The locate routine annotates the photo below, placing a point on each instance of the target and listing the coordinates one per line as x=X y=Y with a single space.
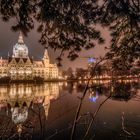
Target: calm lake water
x=47 y=111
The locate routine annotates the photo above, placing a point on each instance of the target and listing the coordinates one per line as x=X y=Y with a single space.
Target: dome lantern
x=20 y=39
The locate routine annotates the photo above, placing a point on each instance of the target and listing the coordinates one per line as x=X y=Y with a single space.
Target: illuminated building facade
x=21 y=67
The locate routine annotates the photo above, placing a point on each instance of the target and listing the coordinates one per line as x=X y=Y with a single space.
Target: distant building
x=21 y=67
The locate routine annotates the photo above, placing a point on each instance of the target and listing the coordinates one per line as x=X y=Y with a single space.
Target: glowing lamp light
x=91 y=60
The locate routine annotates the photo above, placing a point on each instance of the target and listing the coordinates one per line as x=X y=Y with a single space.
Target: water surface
x=47 y=111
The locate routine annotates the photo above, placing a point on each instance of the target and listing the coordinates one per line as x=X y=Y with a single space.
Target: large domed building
x=21 y=67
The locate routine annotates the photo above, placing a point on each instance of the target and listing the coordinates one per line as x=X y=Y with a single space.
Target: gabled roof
x=18 y=59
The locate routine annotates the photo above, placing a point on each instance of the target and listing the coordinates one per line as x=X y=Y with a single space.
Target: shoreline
x=7 y=81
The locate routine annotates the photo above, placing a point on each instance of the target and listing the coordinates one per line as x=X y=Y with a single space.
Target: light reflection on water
x=54 y=104
x=21 y=95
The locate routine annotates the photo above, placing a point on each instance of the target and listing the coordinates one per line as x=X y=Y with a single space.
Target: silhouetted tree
x=123 y=18
x=70 y=25
x=69 y=73
x=81 y=73
x=64 y=24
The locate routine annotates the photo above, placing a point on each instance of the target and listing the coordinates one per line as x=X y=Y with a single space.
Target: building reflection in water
x=16 y=100
x=20 y=102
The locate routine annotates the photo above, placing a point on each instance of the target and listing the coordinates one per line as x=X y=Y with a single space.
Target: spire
x=20 y=38
x=8 y=55
x=46 y=56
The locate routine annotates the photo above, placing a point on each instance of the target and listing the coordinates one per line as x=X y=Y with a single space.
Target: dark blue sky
x=9 y=38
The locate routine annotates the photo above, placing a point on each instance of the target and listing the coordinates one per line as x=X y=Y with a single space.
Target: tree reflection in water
x=124 y=91
x=119 y=91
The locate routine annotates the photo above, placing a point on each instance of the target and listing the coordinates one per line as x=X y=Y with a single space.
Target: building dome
x=20 y=50
x=19 y=115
